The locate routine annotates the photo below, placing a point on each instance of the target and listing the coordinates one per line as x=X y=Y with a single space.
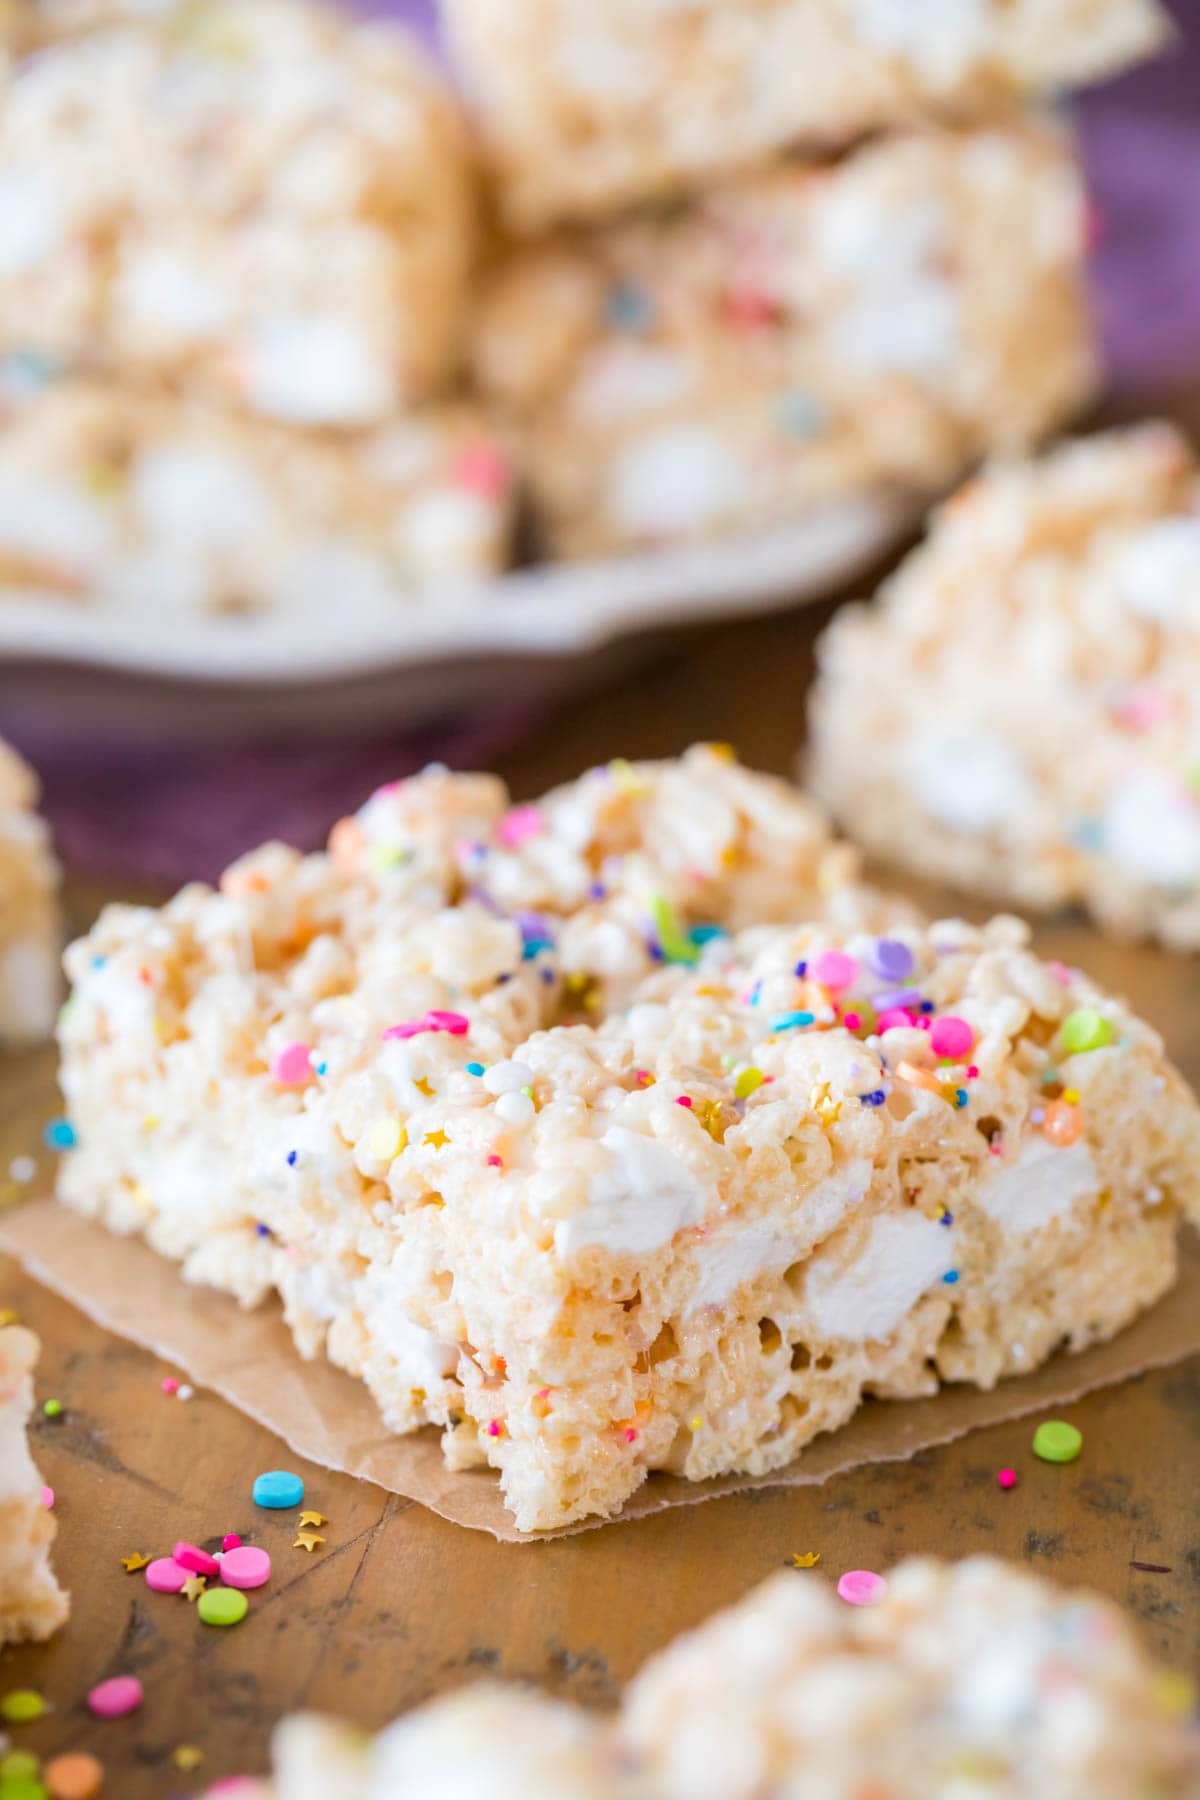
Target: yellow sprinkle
x=313 y=1518
x=151 y=1122
x=747 y=1081
x=187 y=1756
x=711 y=1115
x=386 y=1139
x=726 y=752
x=696 y=1423
x=807 y=1559
x=307 y=1540
x=821 y=1099
x=131 y=1564
x=1071 y=1096
x=8 y=1315
x=423 y=1086
x=437 y=1138
x=194 y=1586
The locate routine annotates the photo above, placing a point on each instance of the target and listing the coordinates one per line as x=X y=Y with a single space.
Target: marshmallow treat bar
x=155 y=506
x=32 y=1604
x=29 y=918
x=1019 y=710
x=317 y=272
x=540 y=1133
x=584 y=109
x=796 y=339
x=974 y=1678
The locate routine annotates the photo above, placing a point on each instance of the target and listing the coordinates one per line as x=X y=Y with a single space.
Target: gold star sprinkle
x=136 y=1561
x=422 y=1084
x=807 y=1559
x=313 y=1518
x=7 y=1315
x=827 y=1109
x=307 y=1540
x=187 y=1756
x=437 y=1138
x=194 y=1586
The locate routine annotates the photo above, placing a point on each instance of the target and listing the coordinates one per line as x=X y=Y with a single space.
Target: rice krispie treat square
x=32 y=1605
x=802 y=337
x=976 y=1678
x=30 y=927
x=259 y=198
x=154 y=506
x=1018 y=712
x=585 y=108
x=540 y=1132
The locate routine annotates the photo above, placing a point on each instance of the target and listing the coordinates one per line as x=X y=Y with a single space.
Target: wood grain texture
x=398 y=1604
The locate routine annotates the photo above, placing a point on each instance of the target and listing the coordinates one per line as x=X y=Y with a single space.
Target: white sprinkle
x=22 y=1168
x=185 y=1392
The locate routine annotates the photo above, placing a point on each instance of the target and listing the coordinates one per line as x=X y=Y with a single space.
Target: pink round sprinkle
x=166 y=1576
x=518 y=824
x=495 y=1162
x=833 y=969
x=861 y=1587
x=950 y=1036
x=894 y=1018
x=245 y=1567
x=47 y=1497
x=1007 y=1478
x=170 y=1384
x=481 y=470
x=852 y=1020
x=231 y=1541
x=683 y=1100
x=291 y=1066
x=115 y=1698
x=190 y=1556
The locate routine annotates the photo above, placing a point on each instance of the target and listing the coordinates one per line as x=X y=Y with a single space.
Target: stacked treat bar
x=32 y=1604
x=30 y=937
x=971 y=1680
x=624 y=1131
x=235 y=245
x=250 y=358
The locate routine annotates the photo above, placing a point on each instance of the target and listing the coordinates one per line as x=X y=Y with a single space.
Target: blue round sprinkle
x=278 y=1488
x=60 y=1135
x=704 y=934
x=950 y=1277
x=474 y=1068
x=291 y=1159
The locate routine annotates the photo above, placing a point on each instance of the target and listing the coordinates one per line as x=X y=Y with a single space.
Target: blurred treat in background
x=804 y=334
x=587 y=108
x=1034 y=732
x=30 y=930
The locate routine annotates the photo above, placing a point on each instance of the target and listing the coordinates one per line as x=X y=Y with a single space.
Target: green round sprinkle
x=1085 y=1029
x=52 y=1408
x=1056 y=1441
x=222 y=1606
x=21 y=1787
x=18 y=1764
x=21 y=1706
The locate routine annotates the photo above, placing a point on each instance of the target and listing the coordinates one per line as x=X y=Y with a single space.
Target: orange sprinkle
x=74 y=1777
x=1062 y=1124
x=922 y=1078
x=347 y=841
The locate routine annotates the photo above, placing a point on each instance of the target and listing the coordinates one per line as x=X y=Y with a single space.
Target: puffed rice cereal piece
x=1018 y=712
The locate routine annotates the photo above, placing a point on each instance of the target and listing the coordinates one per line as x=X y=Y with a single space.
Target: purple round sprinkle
x=891 y=959
x=908 y=996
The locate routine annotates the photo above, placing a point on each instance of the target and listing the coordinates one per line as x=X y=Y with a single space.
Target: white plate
x=431 y=655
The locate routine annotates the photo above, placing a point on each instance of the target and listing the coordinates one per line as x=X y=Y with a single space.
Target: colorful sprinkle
x=950 y=1277
x=456 y=1024
x=746 y=1082
x=895 y=1018
x=170 y=1384
x=675 y=943
x=386 y=1139
x=21 y=1706
x=1057 y=1442
x=245 y=1566
x=191 y=1557
x=115 y=1698
x=861 y=1587
x=520 y=824
x=1085 y=1029
x=1007 y=1478
x=792 y=1021
x=222 y=1606
x=231 y=1541
x=60 y=1135
x=165 y=1576
x=53 y=1409
x=476 y=1068
x=805 y=1559
x=277 y=1489
x=951 y=1037
x=1062 y=1123
x=834 y=969
x=890 y=959
x=76 y=1776
x=47 y=1497
x=306 y=1540
x=291 y=1066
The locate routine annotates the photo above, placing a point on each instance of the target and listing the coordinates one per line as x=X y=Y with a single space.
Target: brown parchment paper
x=329 y=1418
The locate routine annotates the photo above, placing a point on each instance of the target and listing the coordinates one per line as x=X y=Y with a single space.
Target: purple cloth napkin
x=184 y=811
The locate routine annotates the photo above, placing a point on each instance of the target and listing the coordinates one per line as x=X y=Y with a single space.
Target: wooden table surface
x=399 y=1604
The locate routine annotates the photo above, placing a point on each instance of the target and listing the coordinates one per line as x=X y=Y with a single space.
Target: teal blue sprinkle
x=950 y=1277
x=535 y=946
x=704 y=934
x=960 y=1096
x=474 y=1068
x=792 y=1021
x=60 y=1135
